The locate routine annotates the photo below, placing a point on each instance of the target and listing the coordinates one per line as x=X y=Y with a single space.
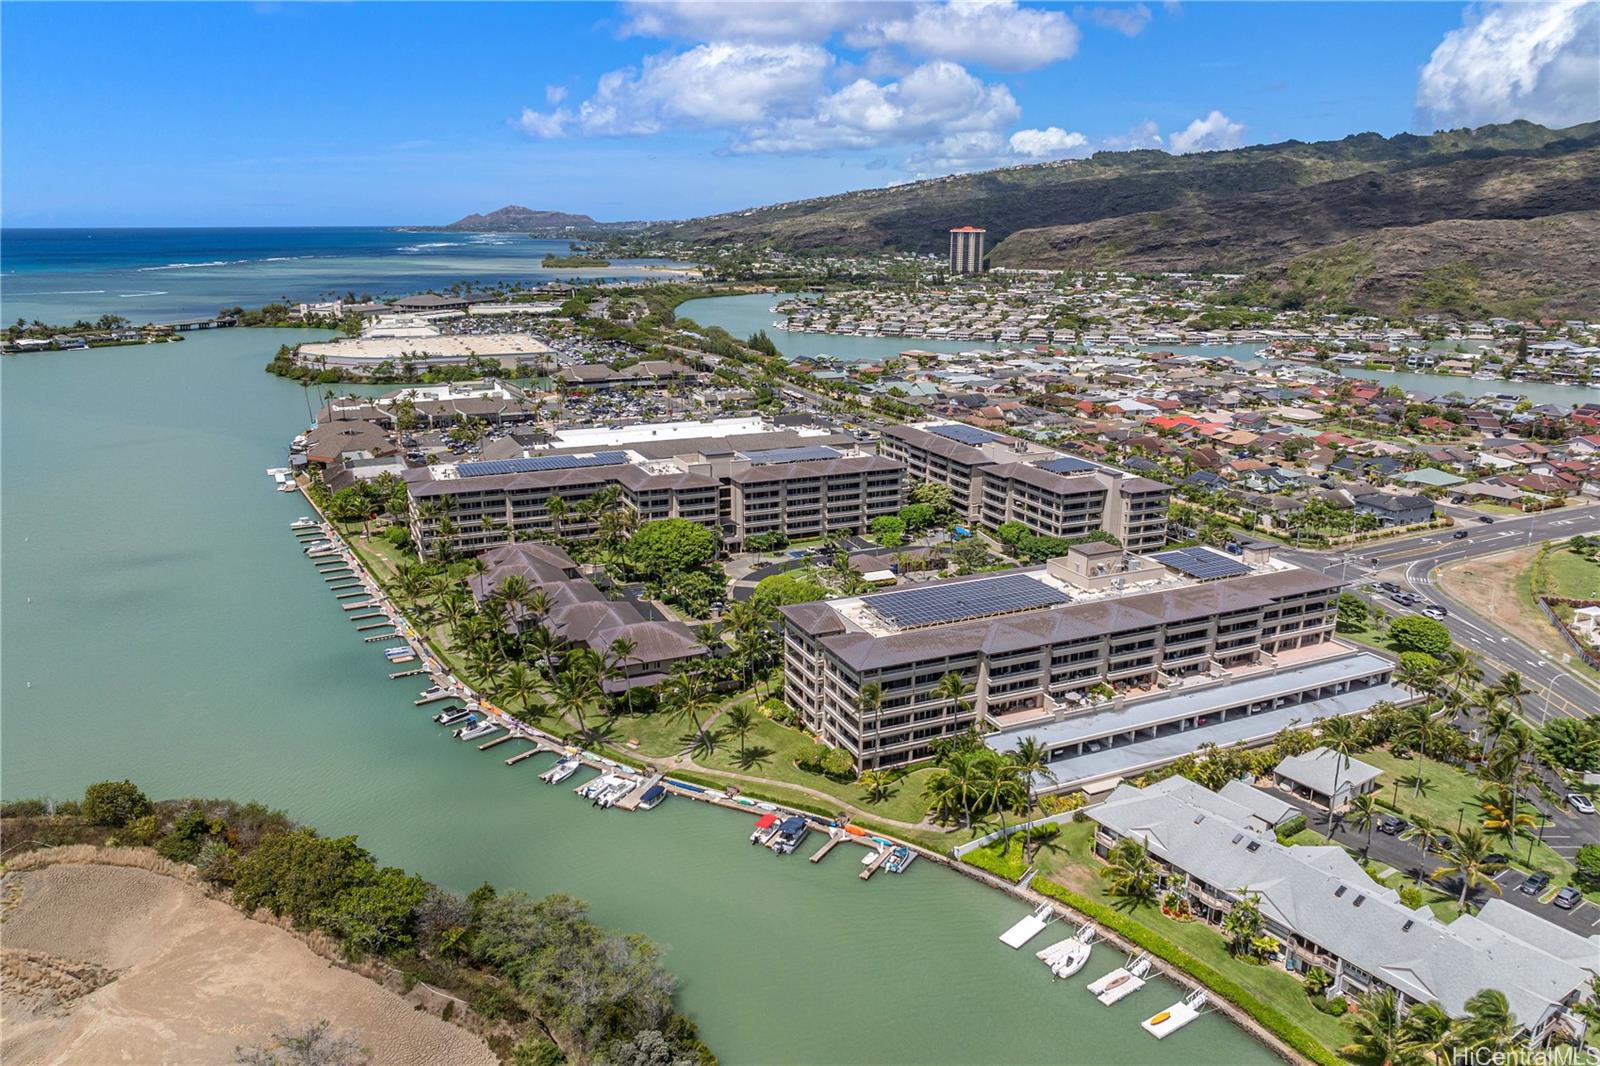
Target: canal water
x=743 y=315
x=162 y=625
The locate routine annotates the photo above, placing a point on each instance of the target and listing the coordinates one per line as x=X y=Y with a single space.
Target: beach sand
x=107 y=964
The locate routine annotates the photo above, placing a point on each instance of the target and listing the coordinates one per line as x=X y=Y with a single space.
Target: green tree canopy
x=1414 y=633
x=671 y=546
x=792 y=586
x=115 y=803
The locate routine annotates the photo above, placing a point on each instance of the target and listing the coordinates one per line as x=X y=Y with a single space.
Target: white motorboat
x=473 y=732
x=611 y=795
x=1176 y=1016
x=303 y=522
x=900 y=858
x=454 y=715
x=1068 y=956
x=560 y=771
x=766 y=828
x=590 y=789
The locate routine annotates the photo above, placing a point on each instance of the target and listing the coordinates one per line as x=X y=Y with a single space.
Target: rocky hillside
x=1263 y=208
x=515 y=219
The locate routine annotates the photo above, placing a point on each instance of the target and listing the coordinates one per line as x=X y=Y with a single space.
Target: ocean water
x=161 y=624
x=159 y=275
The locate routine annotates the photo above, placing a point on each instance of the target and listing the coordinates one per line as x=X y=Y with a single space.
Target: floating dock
x=1028 y=928
x=1176 y=1016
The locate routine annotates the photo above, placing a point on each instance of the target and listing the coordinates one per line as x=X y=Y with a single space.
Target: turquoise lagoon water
x=161 y=624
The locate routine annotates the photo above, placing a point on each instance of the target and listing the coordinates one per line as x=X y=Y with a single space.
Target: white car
x=1435 y=613
x=1580 y=803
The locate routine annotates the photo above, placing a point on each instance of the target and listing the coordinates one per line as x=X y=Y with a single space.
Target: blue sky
x=327 y=114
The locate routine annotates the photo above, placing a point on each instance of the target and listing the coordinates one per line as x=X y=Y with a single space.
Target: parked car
x=1535 y=884
x=1486 y=520
x=1388 y=586
x=1392 y=826
x=1580 y=803
x=1568 y=898
x=1497 y=858
x=1460 y=534
x=1436 y=613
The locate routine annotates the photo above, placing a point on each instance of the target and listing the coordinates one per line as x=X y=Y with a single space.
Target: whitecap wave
x=192 y=266
x=63 y=292
x=126 y=295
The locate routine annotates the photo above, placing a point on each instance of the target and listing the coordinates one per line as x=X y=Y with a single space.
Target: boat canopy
x=766 y=820
x=791 y=826
x=651 y=793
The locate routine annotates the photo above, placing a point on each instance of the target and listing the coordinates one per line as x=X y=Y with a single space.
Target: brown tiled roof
x=849 y=464
x=932 y=442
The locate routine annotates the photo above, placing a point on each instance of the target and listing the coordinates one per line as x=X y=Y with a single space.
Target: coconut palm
x=1342 y=737
x=740 y=721
x=876 y=784
x=545 y=646
x=1511 y=689
x=1468 y=857
x=1363 y=815
x=1032 y=761
x=1500 y=815
x=1377 y=1031
x=1413 y=728
x=1498 y=719
x=688 y=696
x=1424 y=831
x=954 y=788
x=1132 y=875
x=576 y=686
x=556 y=508
x=519 y=684
x=953 y=687
x=1489 y=1022
x=1000 y=786
x=1430 y=1032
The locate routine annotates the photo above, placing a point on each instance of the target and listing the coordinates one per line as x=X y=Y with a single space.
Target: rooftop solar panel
x=933 y=605
x=539 y=463
x=791 y=455
x=1202 y=564
x=965 y=434
x=1067 y=465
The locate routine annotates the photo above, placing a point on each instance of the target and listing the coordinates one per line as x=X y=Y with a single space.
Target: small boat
x=316 y=546
x=399 y=652
x=288 y=486
x=452 y=715
x=480 y=729
x=1029 y=927
x=434 y=693
x=303 y=522
x=1121 y=982
x=620 y=787
x=766 y=828
x=592 y=788
x=652 y=797
x=1176 y=1016
x=560 y=771
x=1069 y=956
x=899 y=859
x=791 y=831
x=870 y=857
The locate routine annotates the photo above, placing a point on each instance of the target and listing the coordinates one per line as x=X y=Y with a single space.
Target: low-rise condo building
x=742 y=477
x=1116 y=662
x=995 y=479
x=1324 y=911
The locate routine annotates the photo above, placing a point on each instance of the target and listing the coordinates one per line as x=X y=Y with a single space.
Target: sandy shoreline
x=104 y=964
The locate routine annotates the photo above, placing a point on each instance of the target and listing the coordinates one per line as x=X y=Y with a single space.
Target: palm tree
x=556 y=508
x=1000 y=786
x=1132 y=874
x=1500 y=815
x=1489 y=1022
x=576 y=686
x=1414 y=679
x=544 y=646
x=954 y=787
x=688 y=696
x=1429 y=1031
x=1363 y=814
x=1032 y=761
x=1510 y=689
x=1342 y=737
x=1498 y=719
x=741 y=722
x=876 y=784
x=1508 y=762
x=1469 y=857
x=1376 y=1025
x=953 y=687
x=1414 y=727
x=1424 y=831
x=618 y=653
x=520 y=684
x=1461 y=668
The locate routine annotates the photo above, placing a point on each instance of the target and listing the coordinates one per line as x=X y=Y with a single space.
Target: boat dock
x=1029 y=927
x=498 y=740
x=834 y=838
x=873 y=863
x=407 y=673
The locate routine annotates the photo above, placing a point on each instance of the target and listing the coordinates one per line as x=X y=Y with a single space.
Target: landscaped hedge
x=1270 y=1017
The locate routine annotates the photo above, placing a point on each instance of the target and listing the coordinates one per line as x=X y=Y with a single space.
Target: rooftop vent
x=1237 y=837
x=1199 y=818
x=1359 y=901
x=1339 y=891
x=1253 y=845
x=1407 y=927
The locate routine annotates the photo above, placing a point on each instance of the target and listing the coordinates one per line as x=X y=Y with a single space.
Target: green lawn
x=770 y=752
x=1448 y=799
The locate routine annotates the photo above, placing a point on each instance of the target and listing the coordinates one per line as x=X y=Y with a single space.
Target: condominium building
x=1113 y=661
x=1325 y=912
x=994 y=479
x=966 y=250
x=740 y=477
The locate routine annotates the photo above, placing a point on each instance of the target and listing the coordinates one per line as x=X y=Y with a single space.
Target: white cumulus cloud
x=1127 y=19
x=1050 y=142
x=1212 y=133
x=554 y=94
x=992 y=33
x=1538 y=61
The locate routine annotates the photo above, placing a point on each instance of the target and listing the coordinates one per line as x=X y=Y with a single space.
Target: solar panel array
x=933 y=605
x=539 y=463
x=1067 y=465
x=791 y=455
x=1203 y=564
x=965 y=434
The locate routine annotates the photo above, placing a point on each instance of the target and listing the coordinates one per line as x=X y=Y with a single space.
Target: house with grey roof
x=1326 y=778
x=1325 y=912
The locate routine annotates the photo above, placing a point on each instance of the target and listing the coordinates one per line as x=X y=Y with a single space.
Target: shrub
x=1337 y=1006
x=1317 y=981
x=1588 y=863
x=1411 y=897
x=115 y=803
x=1414 y=633
x=1291 y=828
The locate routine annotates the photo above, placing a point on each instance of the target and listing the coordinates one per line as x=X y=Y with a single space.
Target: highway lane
x=1411 y=562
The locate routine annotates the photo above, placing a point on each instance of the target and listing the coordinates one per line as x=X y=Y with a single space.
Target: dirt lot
x=1489 y=585
x=105 y=964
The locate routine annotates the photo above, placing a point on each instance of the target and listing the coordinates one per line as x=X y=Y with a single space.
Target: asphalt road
x=1584 y=919
x=1410 y=563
